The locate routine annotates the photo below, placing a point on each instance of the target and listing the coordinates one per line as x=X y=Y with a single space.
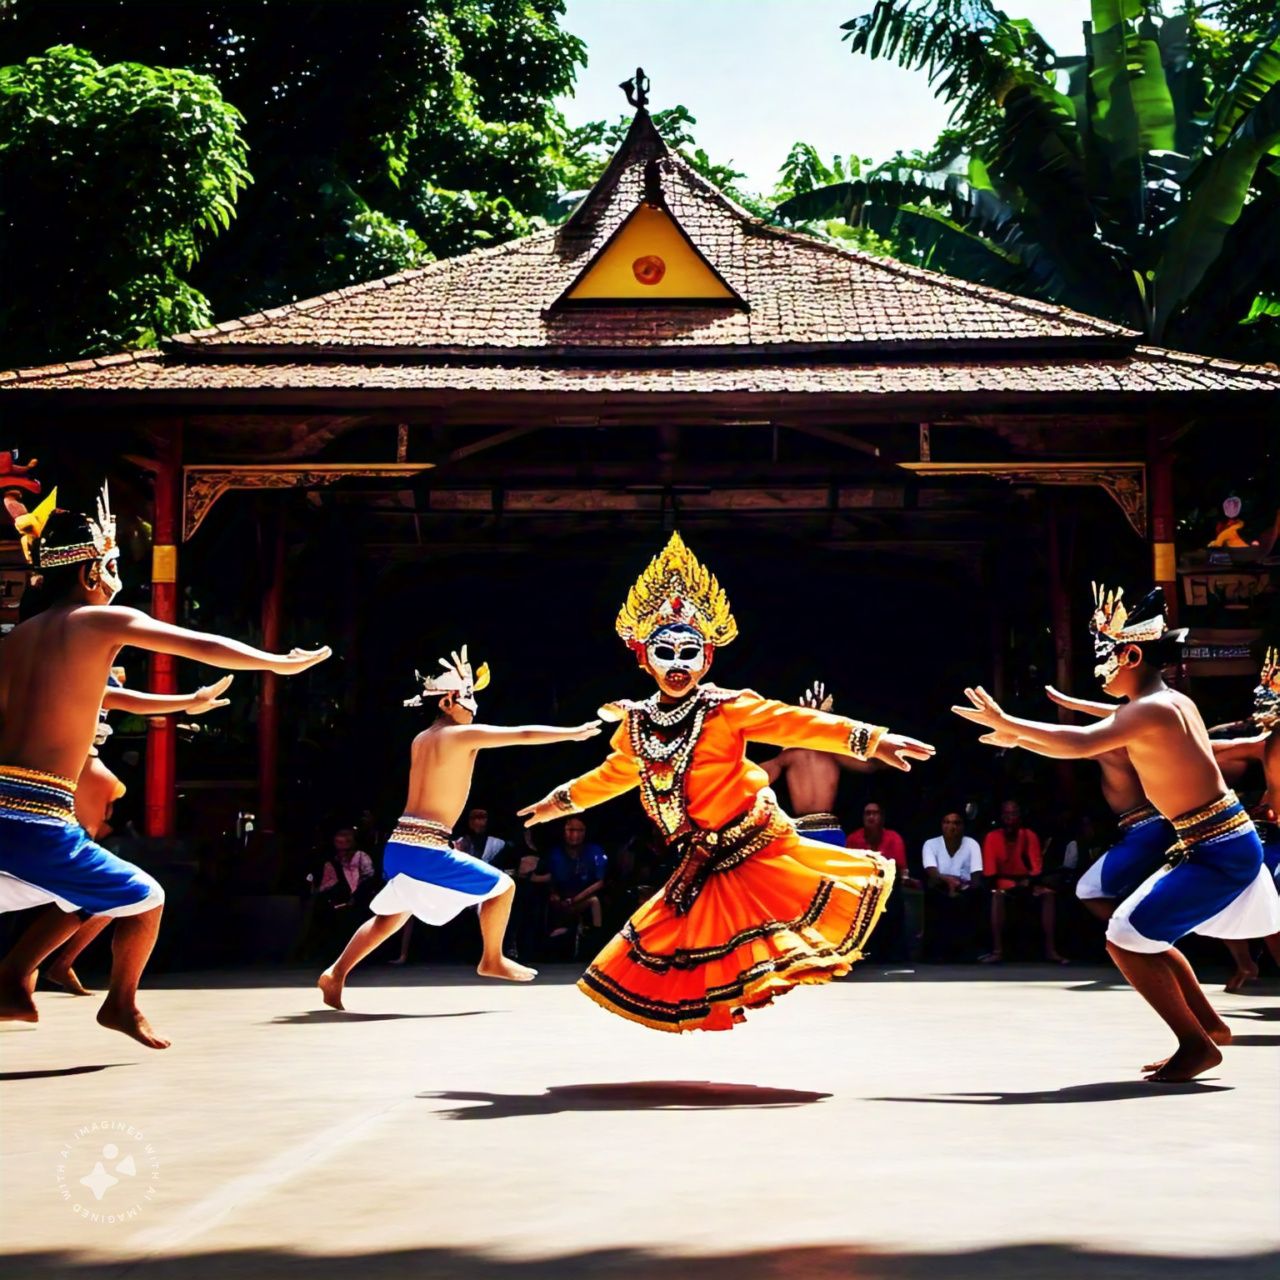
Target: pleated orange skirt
x=795 y=912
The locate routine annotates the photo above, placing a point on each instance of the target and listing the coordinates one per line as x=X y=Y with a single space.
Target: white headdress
x=456 y=678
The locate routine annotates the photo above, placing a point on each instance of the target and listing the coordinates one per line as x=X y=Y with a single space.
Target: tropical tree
x=113 y=178
x=379 y=134
x=1139 y=181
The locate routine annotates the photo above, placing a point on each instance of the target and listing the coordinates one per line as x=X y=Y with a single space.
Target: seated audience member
x=952 y=876
x=629 y=881
x=346 y=881
x=1012 y=864
x=577 y=870
x=477 y=841
x=529 y=911
x=888 y=939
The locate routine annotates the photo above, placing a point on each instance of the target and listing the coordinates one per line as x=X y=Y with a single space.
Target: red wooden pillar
x=1063 y=638
x=161 y=788
x=269 y=706
x=1164 y=567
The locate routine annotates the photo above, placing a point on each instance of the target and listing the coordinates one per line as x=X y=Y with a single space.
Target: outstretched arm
x=206 y=698
x=764 y=720
x=1250 y=748
x=614 y=776
x=131 y=626
x=478 y=736
x=1080 y=704
x=1062 y=742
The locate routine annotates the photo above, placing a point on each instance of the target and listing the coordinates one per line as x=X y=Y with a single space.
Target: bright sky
x=759 y=74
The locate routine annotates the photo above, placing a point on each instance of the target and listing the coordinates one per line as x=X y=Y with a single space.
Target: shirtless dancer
x=1260 y=741
x=53 y=670
x=97 y=790
x=1217 y=884
x=813 y=778
x=426 y=876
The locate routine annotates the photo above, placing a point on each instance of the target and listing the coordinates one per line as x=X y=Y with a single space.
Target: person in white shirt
x=953 y=874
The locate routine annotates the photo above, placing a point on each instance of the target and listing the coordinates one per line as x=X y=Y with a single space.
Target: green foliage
x=114 y=178
x=1139 y=182
x=379 y=134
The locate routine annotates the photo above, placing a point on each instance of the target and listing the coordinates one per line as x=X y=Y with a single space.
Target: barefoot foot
x=508 y=969
x=16 y=1004
x=129 y=1021
x=1242 y=975
x=331 y=989
x=1189 y=1061
x=65 y=977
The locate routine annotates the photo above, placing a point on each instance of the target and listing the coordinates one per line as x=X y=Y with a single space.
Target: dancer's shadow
x=1268 y=1013
x=638 y=1095
x=1256 y=1038
x=348 y=1015
x=49 y=1073
x=1100 y=984
x=1103 y=1091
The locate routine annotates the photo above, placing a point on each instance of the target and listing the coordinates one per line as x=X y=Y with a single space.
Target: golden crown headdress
x=676 y=589
x=1111 y=616
x=456 y=678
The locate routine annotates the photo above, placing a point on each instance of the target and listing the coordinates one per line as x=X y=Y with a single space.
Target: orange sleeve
x=614 y=776
x=764 y=720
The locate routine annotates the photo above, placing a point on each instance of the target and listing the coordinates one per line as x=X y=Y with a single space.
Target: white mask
x=673 y=649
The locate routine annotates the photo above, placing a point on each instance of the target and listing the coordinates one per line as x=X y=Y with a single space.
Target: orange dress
x=752 y=908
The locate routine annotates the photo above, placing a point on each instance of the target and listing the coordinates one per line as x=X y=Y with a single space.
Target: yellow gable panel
x=649 y=260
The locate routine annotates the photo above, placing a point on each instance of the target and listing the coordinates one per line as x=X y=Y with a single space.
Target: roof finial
x=637 y=90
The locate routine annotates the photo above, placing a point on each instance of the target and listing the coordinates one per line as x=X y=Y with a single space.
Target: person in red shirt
x=888 y=942
x=874 y=835
x=1012 y=863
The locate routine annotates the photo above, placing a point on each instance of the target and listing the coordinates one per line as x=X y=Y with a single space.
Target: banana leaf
x=1134 y=106
x=1219 y=188
x=942 y=245
x=1259 y=74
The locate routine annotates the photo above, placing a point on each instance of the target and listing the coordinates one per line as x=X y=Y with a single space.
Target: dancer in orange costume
x=752 y=908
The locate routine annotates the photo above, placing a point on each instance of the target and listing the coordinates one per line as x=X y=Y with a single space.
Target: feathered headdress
x=456 y=678
x=1114 y=622
x=676 y=589
x=1266 y=697
x=80 y=538
x=817 y=697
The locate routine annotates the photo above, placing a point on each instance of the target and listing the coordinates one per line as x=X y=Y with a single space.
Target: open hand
x=297 y=661
x=983 y=710
x=580 y=733
x=897 y=751
x=543 y=811
x=209 y=697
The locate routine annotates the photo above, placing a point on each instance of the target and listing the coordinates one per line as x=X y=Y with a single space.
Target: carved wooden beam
x=1126 y=482
x=202 y=486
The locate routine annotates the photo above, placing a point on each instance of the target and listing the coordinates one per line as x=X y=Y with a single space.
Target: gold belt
x=818 y=822
x=708 y=851
x=42 y=795
x=1221 y=817
x=423 y=833
x=1140 y=813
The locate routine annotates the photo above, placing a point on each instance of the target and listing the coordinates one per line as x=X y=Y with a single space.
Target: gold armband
x=864 y=739
x=562 y=798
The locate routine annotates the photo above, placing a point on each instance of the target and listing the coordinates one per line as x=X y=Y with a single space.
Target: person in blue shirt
x=577 y=870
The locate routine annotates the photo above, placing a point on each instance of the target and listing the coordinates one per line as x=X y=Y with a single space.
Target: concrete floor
x=947 y=1123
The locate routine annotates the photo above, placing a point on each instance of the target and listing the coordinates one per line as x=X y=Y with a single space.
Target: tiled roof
x=800 y=291
x=820 y=320
x=1147 y=370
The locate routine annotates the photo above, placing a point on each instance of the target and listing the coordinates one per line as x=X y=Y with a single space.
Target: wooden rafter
x=1125 y=482
x=202 y=486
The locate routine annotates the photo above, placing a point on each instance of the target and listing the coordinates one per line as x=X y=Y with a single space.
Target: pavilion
x=662 y=354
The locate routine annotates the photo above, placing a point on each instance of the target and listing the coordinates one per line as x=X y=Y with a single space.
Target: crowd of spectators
x=975 y=892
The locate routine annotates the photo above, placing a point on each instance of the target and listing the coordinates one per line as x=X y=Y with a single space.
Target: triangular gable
x=649 y=261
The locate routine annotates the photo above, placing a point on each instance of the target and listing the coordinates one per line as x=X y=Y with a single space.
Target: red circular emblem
x=649 y=269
